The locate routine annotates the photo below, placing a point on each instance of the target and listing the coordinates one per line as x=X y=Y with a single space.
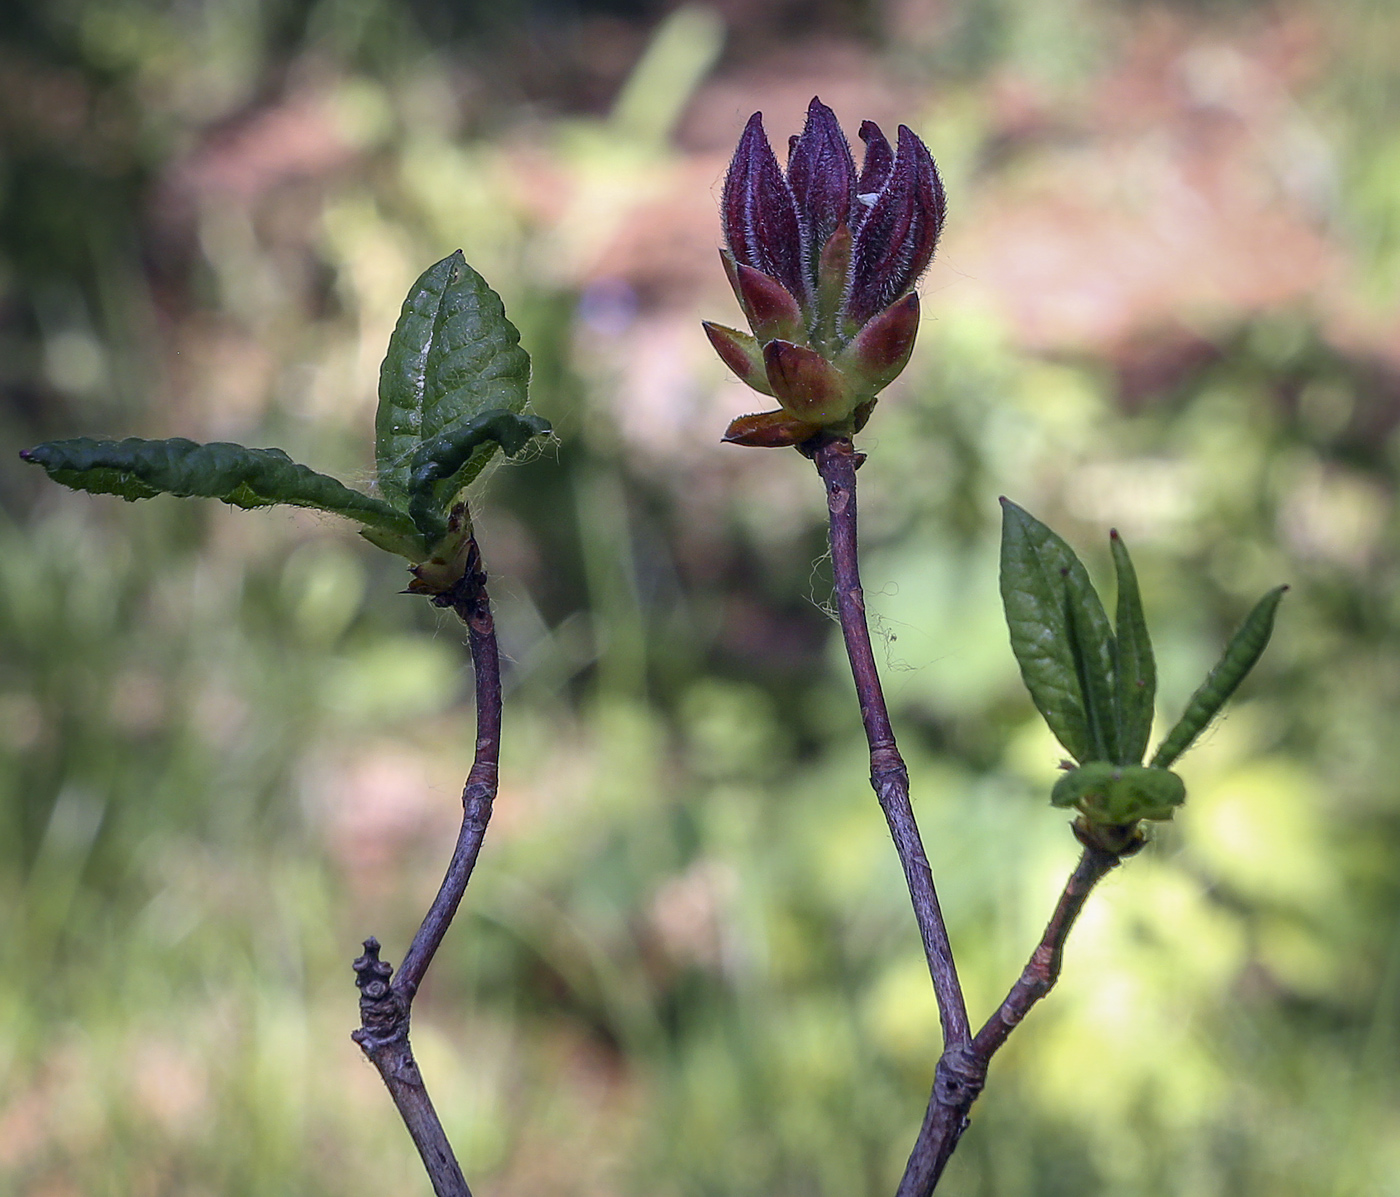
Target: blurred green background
x=1166 y=301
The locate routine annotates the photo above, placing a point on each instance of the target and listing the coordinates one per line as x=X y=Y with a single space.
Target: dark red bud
x=879 y=161
x=760 y=219
x=833 y=273
x=769 y=306
x=770 y=430
x=822 y=175
x=896 y=240
x=808 y=385
x=741 y=353
x=823 y=260
x=881 y=349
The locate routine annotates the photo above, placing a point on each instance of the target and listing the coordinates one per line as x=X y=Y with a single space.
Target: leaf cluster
x=452 y=391
x=1095 y=683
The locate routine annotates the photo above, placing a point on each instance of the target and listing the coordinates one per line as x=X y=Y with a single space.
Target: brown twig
x=836 y=461
x=961 y=1072
x=386 y=1000
x=1043 y=968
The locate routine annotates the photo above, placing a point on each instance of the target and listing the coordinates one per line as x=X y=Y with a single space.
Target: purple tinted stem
x=962 y=1072
x=385 y=1004
x=836 y=461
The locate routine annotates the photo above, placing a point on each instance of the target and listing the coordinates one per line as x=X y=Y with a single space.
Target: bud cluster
x=823 y=260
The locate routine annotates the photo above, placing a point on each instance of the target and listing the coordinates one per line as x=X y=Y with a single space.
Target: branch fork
x=386 y=997
x=961 y=1071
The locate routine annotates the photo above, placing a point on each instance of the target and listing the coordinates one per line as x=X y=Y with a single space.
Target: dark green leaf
x=1136 y=674
x=1096 y=654
x=1060 y=635
x=1244 y=649
x=446 y=455
x=140 y=469
x=453 y=356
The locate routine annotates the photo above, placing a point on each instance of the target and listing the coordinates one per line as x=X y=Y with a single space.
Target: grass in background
x=686 y=964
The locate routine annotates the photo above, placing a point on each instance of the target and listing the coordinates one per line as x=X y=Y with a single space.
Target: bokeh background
x=1166 y=301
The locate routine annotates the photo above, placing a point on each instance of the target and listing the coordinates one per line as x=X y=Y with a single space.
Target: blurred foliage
x=686 y=964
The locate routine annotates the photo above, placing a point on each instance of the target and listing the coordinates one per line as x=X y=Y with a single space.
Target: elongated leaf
x=1060 y=635
x=453 y=356
x=1241 y=654
x=1096 y=654
x=447 y=455
x=140 y=469
x=1136 y=674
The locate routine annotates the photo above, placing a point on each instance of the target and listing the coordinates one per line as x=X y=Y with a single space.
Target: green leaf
x=140 y=469
x=453 y=356
x=1136 y=673
x=1241 y=654
x=1060 y=635
x=451 y=455
x=1096 y=654
x=1117 y=794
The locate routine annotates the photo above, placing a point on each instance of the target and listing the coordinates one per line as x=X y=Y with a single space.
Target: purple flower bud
x=760 y=218
x=879 y=159
x=833 y=277
x=822 y=175
x=823 y=261
x=896 y=239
